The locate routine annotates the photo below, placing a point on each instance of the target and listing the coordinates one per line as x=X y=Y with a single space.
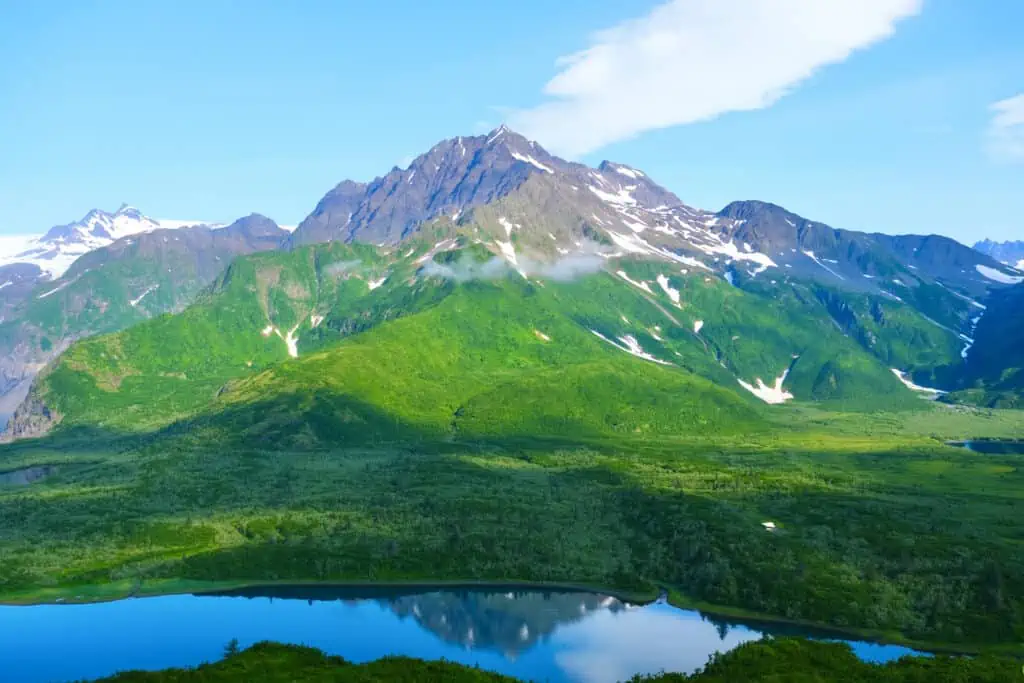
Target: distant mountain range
x=490 y=240
x=54 y=252
x=104 y=273
x=1010 y=253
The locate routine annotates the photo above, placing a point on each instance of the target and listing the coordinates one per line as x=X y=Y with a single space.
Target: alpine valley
x=498 y=365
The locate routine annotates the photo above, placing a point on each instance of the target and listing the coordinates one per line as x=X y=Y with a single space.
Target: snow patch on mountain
x=440 y=246
x=629 y=172
x=641 y=284
x=526 y=158
x=509 y=252
x=135 y=302
x=62 y=245
x=12 y=245
x=62 y=285
x=810 y=255
x=970 y=340
x=620 y=198
x=999 y=276
x=630 y=345
x=509 y=226
x=774 y=394
x=730 y=250
x=290 y=341
x=902 y=376
x=669 y=289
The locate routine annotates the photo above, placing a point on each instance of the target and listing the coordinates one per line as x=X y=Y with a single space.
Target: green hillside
x=994 y=374
x=467 y=345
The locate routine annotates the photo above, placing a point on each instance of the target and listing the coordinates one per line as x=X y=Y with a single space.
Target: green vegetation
x=995 y=366
x=434 y=428
x=114 y=287
x=791 y=660
x=770 y=661
x=274 y=663
x=224 y=351
x=896 y=534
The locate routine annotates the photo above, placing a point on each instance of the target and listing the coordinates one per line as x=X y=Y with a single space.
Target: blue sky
x=871 y=114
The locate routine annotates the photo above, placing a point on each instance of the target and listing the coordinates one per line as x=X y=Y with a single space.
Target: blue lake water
x=993 y=447
x=533 y=635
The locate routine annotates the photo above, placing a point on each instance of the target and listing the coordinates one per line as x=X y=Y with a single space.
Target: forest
x=772 y=661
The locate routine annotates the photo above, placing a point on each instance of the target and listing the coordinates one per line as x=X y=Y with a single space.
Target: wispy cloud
x=692 y=60
x=1006 y=130
x=564 y=269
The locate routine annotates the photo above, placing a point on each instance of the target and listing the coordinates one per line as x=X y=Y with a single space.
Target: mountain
x=454 y=176
x=529 y=205
x=558 y=204
x=505 y=365
x=17 y=280
x=994 y=373
x=1010 y=253
x=55 y=251
x=754 y=299
x=113 y=286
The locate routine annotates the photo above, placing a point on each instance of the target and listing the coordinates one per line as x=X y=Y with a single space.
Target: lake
x=992 y=447
x=556 y=636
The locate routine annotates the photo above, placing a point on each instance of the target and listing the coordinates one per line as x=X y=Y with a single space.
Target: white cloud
x=1006 y=130
x=692 y=60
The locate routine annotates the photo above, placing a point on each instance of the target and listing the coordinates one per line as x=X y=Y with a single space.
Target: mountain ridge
x=909 y=301
x=115 y=285
x=55 y=250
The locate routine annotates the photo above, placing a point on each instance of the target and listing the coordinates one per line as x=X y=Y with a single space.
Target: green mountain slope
x=356 y=342
x=753 y=298
x=442 y=368
x=117 y=286
x=994 y=374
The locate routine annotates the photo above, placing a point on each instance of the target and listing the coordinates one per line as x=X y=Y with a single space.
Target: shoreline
x=124 y=590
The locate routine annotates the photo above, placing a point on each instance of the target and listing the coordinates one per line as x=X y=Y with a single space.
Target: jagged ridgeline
x=492 y=288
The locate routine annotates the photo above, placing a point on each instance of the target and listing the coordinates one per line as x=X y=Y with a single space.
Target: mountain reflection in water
x=509 y=621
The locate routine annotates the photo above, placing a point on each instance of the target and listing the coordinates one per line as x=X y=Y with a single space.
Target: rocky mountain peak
x=454 y=176
x=1011 y=252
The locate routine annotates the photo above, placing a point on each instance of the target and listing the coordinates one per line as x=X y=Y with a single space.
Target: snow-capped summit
x=54 y=252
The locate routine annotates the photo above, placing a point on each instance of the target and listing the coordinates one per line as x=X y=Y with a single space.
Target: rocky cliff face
x=31 y=419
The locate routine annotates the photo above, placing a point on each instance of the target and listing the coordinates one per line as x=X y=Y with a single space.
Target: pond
x=992 y=447
x=556 y=636
x=26 y=475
